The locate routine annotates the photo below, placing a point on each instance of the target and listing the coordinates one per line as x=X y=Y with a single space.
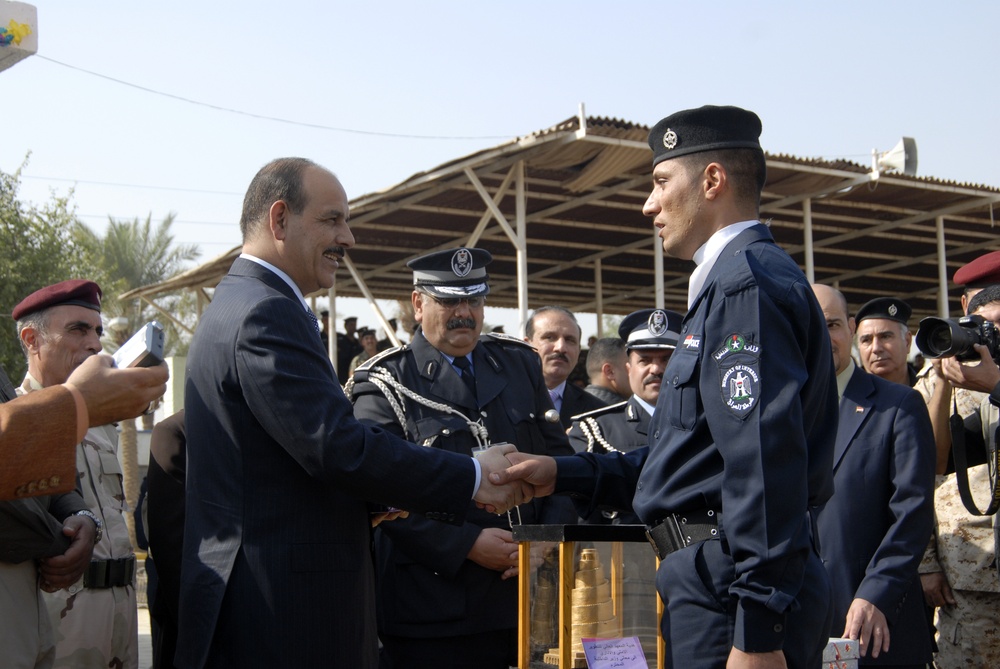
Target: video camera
x=946 y=338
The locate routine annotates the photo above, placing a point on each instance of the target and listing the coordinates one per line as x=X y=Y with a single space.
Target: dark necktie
x=465 y=371
x=315 y=321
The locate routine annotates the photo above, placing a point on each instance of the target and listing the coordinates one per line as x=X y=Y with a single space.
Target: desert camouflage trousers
x=95 y=628
x=969 y=633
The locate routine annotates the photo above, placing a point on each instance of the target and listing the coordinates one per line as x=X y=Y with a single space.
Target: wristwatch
x=97 y=522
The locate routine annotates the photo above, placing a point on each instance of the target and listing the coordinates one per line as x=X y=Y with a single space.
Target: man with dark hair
x=555 y=334
x=279 y=473
x=741 y=447
x=606 y=368
x=874 y=529
x=447 y=596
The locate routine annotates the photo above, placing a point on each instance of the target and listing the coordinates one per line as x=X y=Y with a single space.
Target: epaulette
x=503 y=337
x=382 y=355
x=593 y=413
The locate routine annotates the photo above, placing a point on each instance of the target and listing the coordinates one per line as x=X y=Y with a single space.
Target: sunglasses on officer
x=474 y=301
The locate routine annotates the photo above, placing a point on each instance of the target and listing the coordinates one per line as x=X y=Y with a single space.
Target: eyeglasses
x=474 y=301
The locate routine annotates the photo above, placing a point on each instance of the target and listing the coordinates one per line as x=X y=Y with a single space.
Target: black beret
x=891 y=308
x=79 y=292
x=650 y=328
x=707 y=128
x=457 y=272
x=983 y=271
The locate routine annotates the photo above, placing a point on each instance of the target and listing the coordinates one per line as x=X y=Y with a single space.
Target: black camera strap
x=960 y=453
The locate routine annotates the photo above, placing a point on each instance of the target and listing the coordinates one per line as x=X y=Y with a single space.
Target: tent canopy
x=567 y=202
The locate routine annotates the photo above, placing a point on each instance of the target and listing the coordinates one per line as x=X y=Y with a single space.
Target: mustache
x=456 y=323
x=339 y=250
x=652 y=378
x=558 y=356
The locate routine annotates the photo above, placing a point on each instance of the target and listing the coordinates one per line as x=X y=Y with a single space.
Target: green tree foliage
x=133 y=254
x=37 y=248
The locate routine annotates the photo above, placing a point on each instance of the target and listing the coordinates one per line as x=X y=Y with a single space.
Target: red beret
x=982 y=271
x=80 y=292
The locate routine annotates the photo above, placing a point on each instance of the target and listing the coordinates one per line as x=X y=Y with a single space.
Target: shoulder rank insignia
x=388 y=353
x=613 y=408
x=505 y=338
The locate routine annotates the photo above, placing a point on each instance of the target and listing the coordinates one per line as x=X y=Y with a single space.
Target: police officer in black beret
x=884 y=339
x=741 y=444
x=447 y=594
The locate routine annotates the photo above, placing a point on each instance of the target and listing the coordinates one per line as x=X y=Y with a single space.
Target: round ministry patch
x=740 y=388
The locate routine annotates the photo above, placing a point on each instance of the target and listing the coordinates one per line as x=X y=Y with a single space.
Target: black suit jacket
x=873 y=531
x=277 y=569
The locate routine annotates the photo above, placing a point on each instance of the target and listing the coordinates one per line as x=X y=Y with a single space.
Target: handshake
x=510 y=478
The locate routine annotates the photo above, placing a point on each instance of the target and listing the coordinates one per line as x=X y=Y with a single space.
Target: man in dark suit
x=555 y=334
x=447 y=596
x=279 y=473
x=873 y=531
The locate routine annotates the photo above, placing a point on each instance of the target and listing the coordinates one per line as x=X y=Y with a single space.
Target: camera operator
x=957 y=572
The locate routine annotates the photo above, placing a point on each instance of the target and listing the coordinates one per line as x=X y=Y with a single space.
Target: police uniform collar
x=643 y=405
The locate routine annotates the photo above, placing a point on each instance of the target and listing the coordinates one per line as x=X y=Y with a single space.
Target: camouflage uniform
x=963 y=548
x=97 y=627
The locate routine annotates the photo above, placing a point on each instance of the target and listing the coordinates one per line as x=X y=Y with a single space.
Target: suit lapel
x=637 y=417
x=855 y=407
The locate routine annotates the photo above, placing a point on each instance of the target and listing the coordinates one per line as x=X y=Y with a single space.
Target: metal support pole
x=520 y=215
x=599 y=289
x=807 y=232
x=942 y=259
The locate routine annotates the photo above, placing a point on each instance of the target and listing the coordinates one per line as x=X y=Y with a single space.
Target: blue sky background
x=828 y=80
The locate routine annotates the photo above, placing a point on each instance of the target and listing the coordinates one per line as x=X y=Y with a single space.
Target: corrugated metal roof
x=583 y=203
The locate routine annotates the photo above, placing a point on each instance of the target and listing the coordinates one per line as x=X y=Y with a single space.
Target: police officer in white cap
x=650 y=336
x=447 y=596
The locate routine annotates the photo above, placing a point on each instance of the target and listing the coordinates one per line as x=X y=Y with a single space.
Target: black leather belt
x=109 y=573
x=680 y=530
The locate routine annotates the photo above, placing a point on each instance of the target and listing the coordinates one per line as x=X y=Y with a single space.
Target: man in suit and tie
x=555 y=334
x=873 y=531
x=446 y=595
x=280 y=475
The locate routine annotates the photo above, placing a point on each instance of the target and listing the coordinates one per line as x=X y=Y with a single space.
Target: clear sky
x=401 y=87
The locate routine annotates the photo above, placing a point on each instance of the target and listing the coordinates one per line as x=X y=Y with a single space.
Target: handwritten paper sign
x=614 y=653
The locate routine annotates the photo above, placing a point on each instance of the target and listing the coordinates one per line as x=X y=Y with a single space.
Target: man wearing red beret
x=958 y=569
x=94 y=619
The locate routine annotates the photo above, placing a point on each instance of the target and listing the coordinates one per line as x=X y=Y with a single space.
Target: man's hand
x=937 y=592
x=495 y=549
x=499 y=497
x=537 y=470
x=116 y=394
x=385 y=517
x=982 y=376
x=868 y=625
x=742 y=660
x=62 y=571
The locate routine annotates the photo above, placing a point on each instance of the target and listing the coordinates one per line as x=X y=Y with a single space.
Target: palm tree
x=132 y=254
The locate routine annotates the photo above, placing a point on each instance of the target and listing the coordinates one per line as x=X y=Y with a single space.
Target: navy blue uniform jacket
x=277 y=567
x=426 y=585
x=745 y=424
x=874 y=529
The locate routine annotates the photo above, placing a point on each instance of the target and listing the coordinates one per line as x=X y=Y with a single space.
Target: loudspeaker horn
x=902 y=158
